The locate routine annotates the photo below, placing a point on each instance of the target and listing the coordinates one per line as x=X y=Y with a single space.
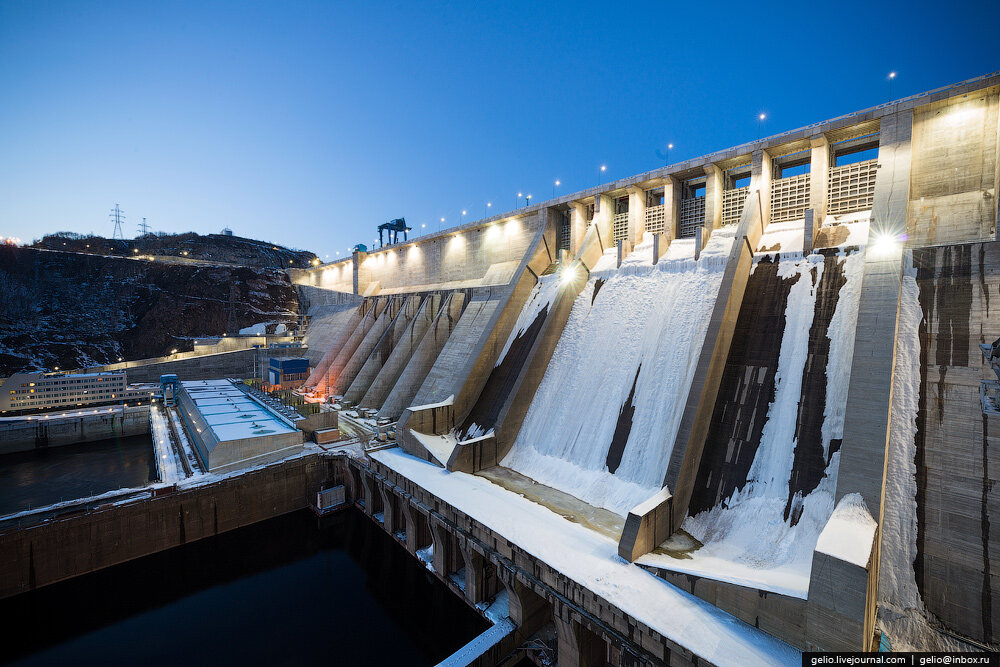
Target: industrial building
x=231 y=428
x=287 y=372
x=25 y=392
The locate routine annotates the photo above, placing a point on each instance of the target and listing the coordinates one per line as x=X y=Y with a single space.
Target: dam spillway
x=602 y=420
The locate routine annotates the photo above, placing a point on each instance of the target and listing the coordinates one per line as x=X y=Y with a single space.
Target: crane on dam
x=393 y=227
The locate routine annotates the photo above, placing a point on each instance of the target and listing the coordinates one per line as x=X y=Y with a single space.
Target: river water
x=293 y=590
x=49 y=475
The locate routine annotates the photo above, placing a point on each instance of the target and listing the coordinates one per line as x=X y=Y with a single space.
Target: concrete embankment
x=52 y=551
x=54 y=429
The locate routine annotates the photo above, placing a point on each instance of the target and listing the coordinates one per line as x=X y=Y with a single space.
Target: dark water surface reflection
x=289 y=591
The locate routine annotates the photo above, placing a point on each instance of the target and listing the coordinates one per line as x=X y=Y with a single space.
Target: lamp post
x=892 y=76
x=554 y=186
x=600 y=180
x=486 y=211
x=760 y=119
x=440 y=223
x=517 y=203
x=527 y=201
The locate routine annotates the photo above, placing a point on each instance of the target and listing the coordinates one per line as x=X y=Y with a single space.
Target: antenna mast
x=117 y=215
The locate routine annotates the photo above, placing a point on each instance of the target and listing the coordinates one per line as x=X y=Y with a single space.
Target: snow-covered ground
x=746 y=539
x=592 y=560
x=641 y=336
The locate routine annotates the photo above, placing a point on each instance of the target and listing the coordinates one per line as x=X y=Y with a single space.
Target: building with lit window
x=25 y=392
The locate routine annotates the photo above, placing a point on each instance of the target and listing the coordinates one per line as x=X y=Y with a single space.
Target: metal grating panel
x=851 y=187
x=789 y=198
x=655 y=219
x=620 y=229
x=732 y=204
x=692 y=216
x=562 y=239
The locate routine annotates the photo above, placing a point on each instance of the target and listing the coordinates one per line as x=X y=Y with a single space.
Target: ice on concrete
x=542 y=295
x=745 y=539
x=902 y=616
x=639 y=326
x=480 y=645
x=850 y=533
x=592 y=560
x=427 y=556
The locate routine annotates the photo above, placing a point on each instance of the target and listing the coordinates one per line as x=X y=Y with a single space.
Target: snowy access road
x=167 y=463
x=592 y=560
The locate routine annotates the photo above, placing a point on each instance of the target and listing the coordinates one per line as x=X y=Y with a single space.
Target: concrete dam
x=726 y=411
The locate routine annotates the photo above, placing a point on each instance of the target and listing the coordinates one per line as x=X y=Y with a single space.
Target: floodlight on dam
x=885 y=244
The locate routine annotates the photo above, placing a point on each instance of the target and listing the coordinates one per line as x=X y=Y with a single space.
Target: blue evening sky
x=309 y=123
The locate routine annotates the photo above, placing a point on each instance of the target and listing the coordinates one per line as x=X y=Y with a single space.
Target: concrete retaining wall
x=24 y=435
x=49 y=552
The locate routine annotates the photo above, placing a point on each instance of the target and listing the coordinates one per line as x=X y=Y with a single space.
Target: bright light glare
x=885 y=244
x=568 y=274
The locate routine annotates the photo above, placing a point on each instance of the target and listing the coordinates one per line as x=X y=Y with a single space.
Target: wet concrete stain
x=746 y=389
x=810 y=461
x=502 y=379
x=982 y=278
x=945 y=285
x=622 y=429
x=831 y=236
x=598 y=283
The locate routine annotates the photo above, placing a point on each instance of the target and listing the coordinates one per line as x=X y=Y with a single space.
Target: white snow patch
x=427 y=555
x=850 y=533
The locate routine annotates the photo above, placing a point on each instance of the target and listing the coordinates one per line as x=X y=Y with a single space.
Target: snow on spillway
x=602 y=422
x=764 y=533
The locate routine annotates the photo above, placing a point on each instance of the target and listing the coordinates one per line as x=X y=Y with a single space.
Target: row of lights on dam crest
x=602 y=170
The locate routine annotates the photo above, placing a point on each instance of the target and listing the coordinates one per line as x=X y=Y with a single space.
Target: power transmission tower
x=118 y=216
x=143 y=228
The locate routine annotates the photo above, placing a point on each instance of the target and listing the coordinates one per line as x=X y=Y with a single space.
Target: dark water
x=289 y=591
x=45 y=476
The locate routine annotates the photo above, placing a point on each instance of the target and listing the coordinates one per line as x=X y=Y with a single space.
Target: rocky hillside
x=189 y=247
x=73 y=310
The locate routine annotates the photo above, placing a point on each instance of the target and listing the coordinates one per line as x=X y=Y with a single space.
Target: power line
x=143 y=228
